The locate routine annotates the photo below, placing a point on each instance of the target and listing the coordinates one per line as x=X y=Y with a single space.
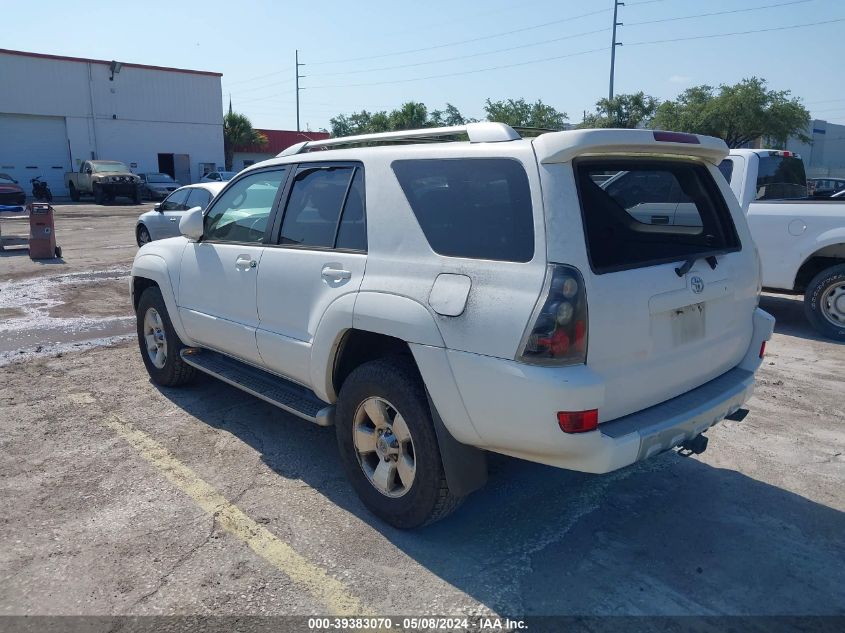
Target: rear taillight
x=762 y=349
x=557 y=332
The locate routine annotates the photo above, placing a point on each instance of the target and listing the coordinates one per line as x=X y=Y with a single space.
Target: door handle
x=173 y=219
x=335 y=274
x=244 y=262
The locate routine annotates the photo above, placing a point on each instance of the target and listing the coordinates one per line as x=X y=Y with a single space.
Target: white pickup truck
x=801 y=240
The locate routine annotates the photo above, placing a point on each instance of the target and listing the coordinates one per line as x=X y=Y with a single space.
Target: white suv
x=437 y=300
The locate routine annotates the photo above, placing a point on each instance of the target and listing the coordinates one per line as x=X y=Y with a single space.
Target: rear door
x=662 y=318
x=318 y=256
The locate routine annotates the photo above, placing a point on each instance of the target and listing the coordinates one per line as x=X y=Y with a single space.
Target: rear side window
x=781 y=177
x=727 y=168
x=478 y=208
x=326 y=208
x=651 y=212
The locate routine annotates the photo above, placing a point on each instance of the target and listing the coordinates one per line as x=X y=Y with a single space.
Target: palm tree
x=237 y=131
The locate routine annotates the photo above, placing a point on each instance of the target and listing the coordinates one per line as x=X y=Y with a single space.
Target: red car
x=11 y=193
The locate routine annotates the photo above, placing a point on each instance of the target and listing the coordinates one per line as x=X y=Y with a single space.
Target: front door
x=217 y=284
x=318 y=256
x=170 y=211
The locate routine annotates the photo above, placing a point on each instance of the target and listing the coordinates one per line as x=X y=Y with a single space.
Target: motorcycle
x=41 y=190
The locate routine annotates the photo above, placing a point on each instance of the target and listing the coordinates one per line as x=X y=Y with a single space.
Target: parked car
x=218 y=176
x=11 y=193
x=156 y=186
x=801 y=240
x=839 y=194
x=163 y=220
x=105 y=180
x=825 y=187
x=434 y=301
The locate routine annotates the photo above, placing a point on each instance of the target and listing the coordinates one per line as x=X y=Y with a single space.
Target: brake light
x=762 y=349
x=557 y=332
x=578 y=421
x=676 y=137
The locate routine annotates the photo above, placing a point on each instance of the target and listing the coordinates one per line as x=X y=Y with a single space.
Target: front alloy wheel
x=384 y=446
x=155 y=338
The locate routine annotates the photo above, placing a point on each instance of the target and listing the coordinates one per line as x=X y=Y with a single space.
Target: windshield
x=159 y=178
x=781 y=177
x=109 y=168
x=227 y=175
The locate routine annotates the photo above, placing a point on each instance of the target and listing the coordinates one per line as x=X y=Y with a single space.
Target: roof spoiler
x=562 y=147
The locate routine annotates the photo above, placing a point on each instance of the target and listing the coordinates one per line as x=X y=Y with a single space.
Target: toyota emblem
x=697 y=284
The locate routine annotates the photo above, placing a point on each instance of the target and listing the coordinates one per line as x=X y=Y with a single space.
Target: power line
x=585 y=52
x=475 y=39
x=704 y=37
x=459 y=57
x=705 y=15
x=464 y=72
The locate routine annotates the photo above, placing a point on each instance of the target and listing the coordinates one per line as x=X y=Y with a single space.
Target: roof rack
x=482 y=132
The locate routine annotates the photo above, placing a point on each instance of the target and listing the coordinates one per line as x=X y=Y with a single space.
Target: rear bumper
x=513 y=407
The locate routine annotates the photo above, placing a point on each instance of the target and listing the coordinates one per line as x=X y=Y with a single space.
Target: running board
x=276 y=390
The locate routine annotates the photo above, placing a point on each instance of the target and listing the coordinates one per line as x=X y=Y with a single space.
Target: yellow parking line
x=331 y=592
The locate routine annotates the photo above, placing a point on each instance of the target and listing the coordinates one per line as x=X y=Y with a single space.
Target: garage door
x=34 y=146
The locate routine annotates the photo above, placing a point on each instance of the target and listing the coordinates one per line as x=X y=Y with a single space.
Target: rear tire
x=824 y=302
x=142 y=235
x=407 y=494
x=160 y=345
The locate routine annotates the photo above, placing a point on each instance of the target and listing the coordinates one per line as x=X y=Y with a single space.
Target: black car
x=825 y=187
x=11 y=193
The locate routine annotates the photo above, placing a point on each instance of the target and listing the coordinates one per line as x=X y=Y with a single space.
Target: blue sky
x=376 y=54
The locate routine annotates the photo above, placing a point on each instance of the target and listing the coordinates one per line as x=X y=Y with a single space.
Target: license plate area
x=688 y=323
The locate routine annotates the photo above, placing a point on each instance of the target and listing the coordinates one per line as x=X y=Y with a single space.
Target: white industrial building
x=824 y=155
x=56 y=112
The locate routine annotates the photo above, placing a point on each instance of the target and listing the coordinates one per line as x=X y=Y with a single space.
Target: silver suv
x=437 y=300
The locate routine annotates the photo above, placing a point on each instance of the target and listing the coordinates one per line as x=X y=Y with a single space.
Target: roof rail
x=481 y=132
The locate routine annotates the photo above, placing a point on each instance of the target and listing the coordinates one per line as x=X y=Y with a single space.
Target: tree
x=238 y=131
x=737 y=113
x=623 y=111
x=409 y=116
x=450 y=116
x=519 y=113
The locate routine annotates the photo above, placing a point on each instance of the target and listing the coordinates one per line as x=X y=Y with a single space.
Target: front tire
x=388 y=445
x=99 y=198
x=160 y=345
x=824 y=302
x=74 y=192
x=136 y=197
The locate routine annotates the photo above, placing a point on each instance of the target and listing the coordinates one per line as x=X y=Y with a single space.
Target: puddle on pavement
x=48 y=315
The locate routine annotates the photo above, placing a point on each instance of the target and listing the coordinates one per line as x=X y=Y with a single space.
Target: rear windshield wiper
x=690 y=261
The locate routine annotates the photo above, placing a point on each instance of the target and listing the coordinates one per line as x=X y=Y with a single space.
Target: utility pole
x=298 y=77
x=616 y=5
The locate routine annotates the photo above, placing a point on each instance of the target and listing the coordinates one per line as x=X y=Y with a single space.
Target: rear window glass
x=478 y=208
x=781 y=177
x=727 y=168
x=650 y=212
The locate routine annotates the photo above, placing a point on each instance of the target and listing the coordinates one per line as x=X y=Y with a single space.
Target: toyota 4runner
x=437 y=300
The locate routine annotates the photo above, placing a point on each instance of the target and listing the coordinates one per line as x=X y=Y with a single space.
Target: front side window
x=477 y=208
x=650 y=212
x=176 y=201
x=241 y=212
x=317 y=198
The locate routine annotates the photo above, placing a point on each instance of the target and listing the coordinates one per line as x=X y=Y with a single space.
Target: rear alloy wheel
x=388 y=445
x=142 y=235
x=824 y=302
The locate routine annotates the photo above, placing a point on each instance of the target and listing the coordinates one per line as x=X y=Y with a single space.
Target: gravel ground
x=90 y=524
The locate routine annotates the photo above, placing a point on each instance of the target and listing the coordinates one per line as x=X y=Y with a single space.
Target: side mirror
x=157 y=207
x=191 y=223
